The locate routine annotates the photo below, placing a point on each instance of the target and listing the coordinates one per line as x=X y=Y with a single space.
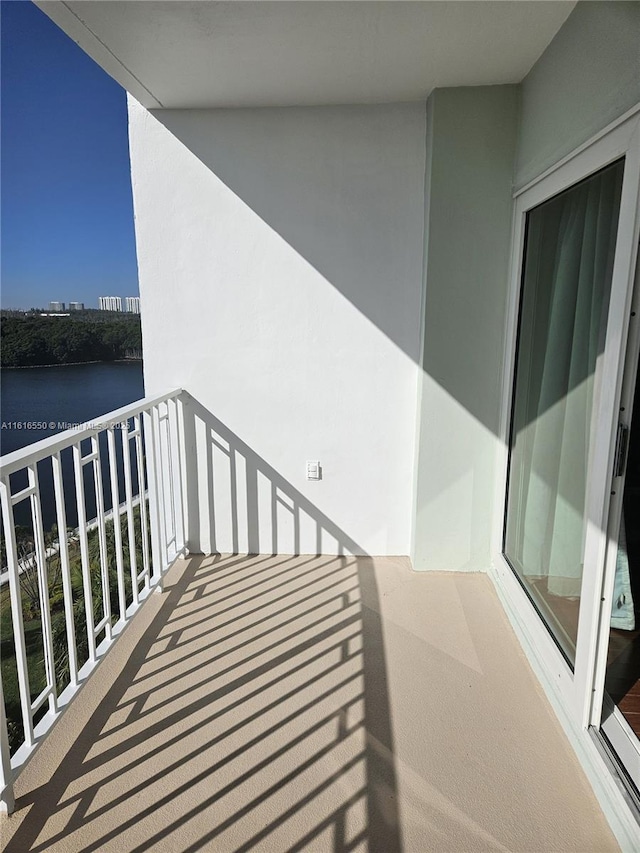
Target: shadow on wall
x=252 y=713
x=237 y=503
x=342 y=185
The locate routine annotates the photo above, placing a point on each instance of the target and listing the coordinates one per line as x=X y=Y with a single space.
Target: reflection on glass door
x=623 y=663
x=566 y=281
x=621 y=707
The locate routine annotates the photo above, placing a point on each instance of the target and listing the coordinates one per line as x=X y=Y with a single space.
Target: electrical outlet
x=313 y=470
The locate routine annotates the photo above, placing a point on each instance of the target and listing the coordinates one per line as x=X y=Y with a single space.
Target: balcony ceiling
x=239 y=54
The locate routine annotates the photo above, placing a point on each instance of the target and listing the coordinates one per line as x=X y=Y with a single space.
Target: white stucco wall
x=587 y=77
x=471 y=138
x=280 y=261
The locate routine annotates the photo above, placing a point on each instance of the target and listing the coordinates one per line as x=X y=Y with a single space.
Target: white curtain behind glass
x=569 y=260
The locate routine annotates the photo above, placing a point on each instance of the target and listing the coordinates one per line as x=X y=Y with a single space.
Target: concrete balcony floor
x=310 y=703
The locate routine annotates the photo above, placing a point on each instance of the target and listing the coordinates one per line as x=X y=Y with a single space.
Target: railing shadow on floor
x=253 y=712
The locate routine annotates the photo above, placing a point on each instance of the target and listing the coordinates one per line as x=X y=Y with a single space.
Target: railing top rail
x=12 y=462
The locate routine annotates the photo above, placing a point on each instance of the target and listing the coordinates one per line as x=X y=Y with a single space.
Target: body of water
x=49 y=398
x=71 y=394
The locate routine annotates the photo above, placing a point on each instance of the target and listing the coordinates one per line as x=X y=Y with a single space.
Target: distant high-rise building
x=56 y=306
x=132 y=304
x=76 y=306
x=110 y=303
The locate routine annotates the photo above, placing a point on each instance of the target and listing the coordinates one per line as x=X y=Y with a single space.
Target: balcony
x=269 y=702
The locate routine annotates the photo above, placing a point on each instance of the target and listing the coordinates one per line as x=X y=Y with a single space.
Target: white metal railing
x=105 y=567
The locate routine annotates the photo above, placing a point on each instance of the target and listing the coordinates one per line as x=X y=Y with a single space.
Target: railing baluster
x=155 y=506
x=161 y=459
x=128 y=490
x=184 y=436
x=142 y=490
x=175 y=461
x=115 y=512
x=15 y=594
x=102 y=537
x=165 y=486
x=7 y=799
x=160 y=514
x=84 y=549
x=63 y=545
x=43 y=585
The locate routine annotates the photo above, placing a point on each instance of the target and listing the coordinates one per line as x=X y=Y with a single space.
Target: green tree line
x=29 y=340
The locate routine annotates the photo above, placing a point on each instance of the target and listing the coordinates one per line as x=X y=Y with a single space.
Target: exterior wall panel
x=280 y=257
x=470 y=149
x=587 y=77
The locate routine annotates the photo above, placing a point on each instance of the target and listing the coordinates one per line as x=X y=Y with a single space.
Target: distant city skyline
x=127 y=304
x=67 y=223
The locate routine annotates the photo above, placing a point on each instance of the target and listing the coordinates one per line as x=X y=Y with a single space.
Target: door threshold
x=619 y=772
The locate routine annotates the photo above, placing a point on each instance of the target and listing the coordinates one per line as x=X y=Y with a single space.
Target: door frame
x=572 y=692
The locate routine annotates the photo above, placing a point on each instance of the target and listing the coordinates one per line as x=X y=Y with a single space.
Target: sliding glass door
x=569 y=251
x=563 y=549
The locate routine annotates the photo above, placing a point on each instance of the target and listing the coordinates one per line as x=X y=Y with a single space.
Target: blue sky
x=67 y=215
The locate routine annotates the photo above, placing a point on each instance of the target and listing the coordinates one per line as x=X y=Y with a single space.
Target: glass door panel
x=566 y=281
